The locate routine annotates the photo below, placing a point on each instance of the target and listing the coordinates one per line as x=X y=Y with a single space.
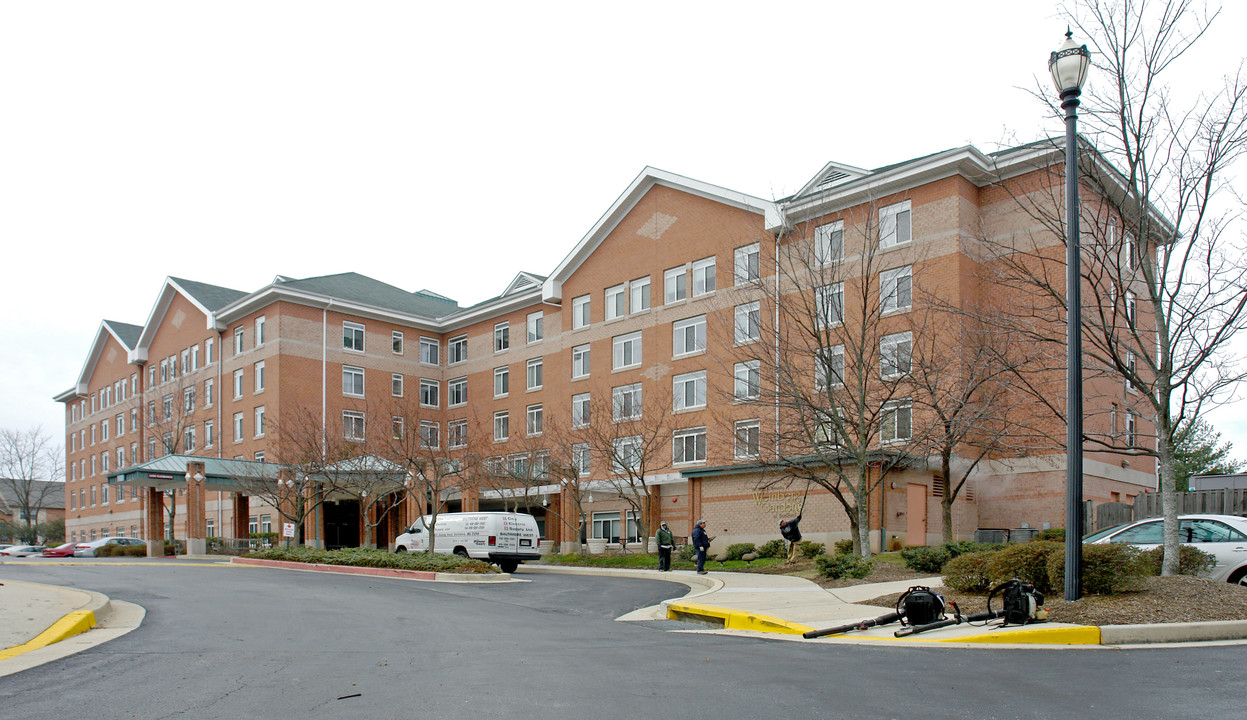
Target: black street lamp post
x=1069 y=66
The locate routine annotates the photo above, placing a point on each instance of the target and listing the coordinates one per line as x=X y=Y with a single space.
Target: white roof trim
x=649 y=177
x=154 y=319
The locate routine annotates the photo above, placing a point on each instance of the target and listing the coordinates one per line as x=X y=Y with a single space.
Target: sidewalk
x=787 y=606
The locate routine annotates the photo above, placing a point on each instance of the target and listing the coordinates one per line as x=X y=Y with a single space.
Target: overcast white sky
x=446 y=145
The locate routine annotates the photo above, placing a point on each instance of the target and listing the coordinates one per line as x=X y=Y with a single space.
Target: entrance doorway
x=341 y=524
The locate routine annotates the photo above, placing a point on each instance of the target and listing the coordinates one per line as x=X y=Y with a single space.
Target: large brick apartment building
x=661 y=309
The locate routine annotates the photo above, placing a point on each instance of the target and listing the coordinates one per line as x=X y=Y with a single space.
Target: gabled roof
x=47 y=494
x=523 y=281
x=207 y=298
x=833 y=173
x=649 y=177
x=125 y=334
x=364 y=290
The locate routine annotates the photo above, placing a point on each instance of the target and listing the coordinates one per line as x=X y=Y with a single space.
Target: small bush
x=844 y=547
x=1106 y=569
x=1191 y=560
x=736 y=551
x=969 y=573
x=1027 y=562
x=925 y=559
x=687 y=553
x=773 y=549
x=843 y=565
x=131 y=550
x=1052 y=534
x=965 y=547
x=811 y=549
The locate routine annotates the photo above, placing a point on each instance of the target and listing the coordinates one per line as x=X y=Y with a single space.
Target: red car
x=66 y=550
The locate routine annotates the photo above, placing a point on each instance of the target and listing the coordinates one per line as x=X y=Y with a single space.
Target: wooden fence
x=1228 y=501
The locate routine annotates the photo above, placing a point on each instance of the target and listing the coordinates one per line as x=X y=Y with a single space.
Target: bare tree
x=1164 y=286
x=31 y=473
x=837 y=314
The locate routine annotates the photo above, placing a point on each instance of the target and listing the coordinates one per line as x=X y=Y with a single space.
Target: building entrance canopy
x=169 y=473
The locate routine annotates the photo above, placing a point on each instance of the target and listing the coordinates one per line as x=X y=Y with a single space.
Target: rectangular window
x=352 y=425
x=502 y=381
x=535 y=326
x=580 y=311
x=616 y=301
x=897 y=419
x=829 y=305
x=352 y=381
x=259 y=421
x=121 y=421
x=429 y=393
x=640 y=294
x=194 y=363
x=430 y=350
x=104 y=430
x=1131 y=307
x=209 y=435
x=580 y=361
x=458 y=350
x=894 y=225
x=457 y=433
x=580 y=458
x=502 y=336
x=259 y=376
x=580 y=410
x=502 y=426
x=895 y=354
x=188 y=401
x=829 y=243
x=748 y=264
x=186 y=361
x=259 y=331
x=896 y=289
x=535 y=415
x=675 y=284
x=1130 y=428
x=396 y=384
x=238 y=427
x=535 y=373
x=238 y=383
x=398 y=427
x=688 y=391
x=627 y=453
x=689 y=446
x=626 y=402
x=237 y=340
x=430 y=435
x=121 y=457
x=209 y=392
x=352 y=336
x=748 y=380
x=166 y=407
x=626 y=350
x=829 y=367
x=748 y=322
x=688 y=336
x=457 y=392
x=209 y=351
x=748 y=434
x=396 y=342
x=1132 y=367
x=703 y=277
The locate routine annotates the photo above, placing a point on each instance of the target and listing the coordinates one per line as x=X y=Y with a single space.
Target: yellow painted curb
x=737 y=620
x=1080 y=635
x=72 y=624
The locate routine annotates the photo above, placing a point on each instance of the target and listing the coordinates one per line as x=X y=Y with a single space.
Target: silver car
x=1222 y=536
x=87 y=549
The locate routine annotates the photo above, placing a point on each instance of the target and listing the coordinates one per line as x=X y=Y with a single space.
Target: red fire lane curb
x=349 y=569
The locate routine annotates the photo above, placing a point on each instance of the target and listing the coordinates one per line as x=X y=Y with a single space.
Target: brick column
x=470 y=499
x=155 y=523
x=196 y=510
x=242 y=514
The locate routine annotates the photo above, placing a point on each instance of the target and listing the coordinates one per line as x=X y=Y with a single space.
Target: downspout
x=324 y=378
x=775 y=333
x=220 y=360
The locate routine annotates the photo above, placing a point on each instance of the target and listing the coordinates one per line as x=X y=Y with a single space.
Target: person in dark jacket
x=666 y=541
x=701 y=543
x=791 y=533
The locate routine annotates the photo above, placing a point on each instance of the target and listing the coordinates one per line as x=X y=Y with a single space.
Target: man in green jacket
x=666 y=541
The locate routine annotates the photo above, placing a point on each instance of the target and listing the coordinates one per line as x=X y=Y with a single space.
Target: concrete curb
x=732 y=619
x=376 y=572
x=91 y=613
x=1173 y=632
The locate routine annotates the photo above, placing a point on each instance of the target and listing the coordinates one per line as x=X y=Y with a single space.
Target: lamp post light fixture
x=1069 y=65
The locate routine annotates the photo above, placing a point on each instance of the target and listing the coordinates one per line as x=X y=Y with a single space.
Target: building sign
x=287 y=530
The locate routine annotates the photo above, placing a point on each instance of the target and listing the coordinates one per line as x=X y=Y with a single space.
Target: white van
x=506 y=539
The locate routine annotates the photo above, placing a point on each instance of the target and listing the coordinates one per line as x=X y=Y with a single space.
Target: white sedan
x=1222 y=536
x=22 y=550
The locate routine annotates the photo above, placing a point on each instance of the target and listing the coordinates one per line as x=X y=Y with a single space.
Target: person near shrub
x=701 y=543
x=666 y=541
x=791 y=533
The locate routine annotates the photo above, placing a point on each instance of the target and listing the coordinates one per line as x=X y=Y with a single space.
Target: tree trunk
x=863 y=521
x=1169 y=504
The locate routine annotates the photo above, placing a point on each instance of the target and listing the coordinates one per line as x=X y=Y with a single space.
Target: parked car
x=22 y=550
x=87 y=549
x=66 y=550
x=1223 y=536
